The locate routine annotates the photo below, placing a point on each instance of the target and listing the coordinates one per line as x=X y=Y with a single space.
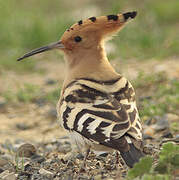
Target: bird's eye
x=77 y=39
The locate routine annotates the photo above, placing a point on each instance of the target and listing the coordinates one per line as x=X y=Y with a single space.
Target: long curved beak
x=42 y=49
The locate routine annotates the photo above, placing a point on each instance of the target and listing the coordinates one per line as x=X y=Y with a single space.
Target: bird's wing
x=101 y=112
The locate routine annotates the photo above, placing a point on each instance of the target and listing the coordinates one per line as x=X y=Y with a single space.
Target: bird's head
x=87 y=36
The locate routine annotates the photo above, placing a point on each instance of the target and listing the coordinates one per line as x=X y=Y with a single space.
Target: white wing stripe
x=93 y=125
x=107 y=130
x=81 y=121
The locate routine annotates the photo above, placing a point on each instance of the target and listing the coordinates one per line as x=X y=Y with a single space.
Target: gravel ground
x=55 y=159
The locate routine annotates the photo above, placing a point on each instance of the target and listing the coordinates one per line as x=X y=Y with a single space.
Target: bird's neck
x=94 y=65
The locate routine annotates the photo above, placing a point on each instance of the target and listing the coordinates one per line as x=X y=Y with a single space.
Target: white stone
x=6 y=175
x=46 y=173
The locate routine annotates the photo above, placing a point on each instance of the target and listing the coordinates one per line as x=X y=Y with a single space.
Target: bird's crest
x=102 y=25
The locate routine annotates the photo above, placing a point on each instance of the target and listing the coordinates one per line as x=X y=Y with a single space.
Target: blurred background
x=146 y=51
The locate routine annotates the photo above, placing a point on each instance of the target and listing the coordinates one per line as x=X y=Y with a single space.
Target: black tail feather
x=132 y=156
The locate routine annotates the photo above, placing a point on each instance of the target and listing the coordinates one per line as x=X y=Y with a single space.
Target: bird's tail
x=132 y=156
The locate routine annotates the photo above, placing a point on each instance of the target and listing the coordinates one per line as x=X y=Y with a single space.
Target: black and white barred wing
x=97 y=115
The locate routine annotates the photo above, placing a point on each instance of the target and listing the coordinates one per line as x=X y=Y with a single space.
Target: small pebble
x=3 y=162
x=37 y=158
x=98 y=177
x=22 y=126
x=1 y=170
x=52 y=113
x=57 y=178
x=65 y=148
x=64 y=137
x=2 y=106
x=50 y=148
x=177 y=136
x=104 y=155
x=19 y=141
x=6 y=175
x=149 y=131
x=46 y=173
x=162 y=123
x=148 y=149
x=50 y=82
x=167 y=135
x=27 y=167
x=6 y=164
x=148 y=121
x=66 y=157
x=70 y=163
x=26 y=150
x=146 y=136
x=7 y=157
x=108 y=166
x=22 y=175
x=40 y=101
x=80 y=156
x=98 y=164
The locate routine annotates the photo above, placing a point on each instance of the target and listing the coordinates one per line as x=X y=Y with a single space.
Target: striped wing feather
x=101 y=112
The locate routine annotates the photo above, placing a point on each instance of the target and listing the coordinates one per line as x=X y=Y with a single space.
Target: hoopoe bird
x=97 y=105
